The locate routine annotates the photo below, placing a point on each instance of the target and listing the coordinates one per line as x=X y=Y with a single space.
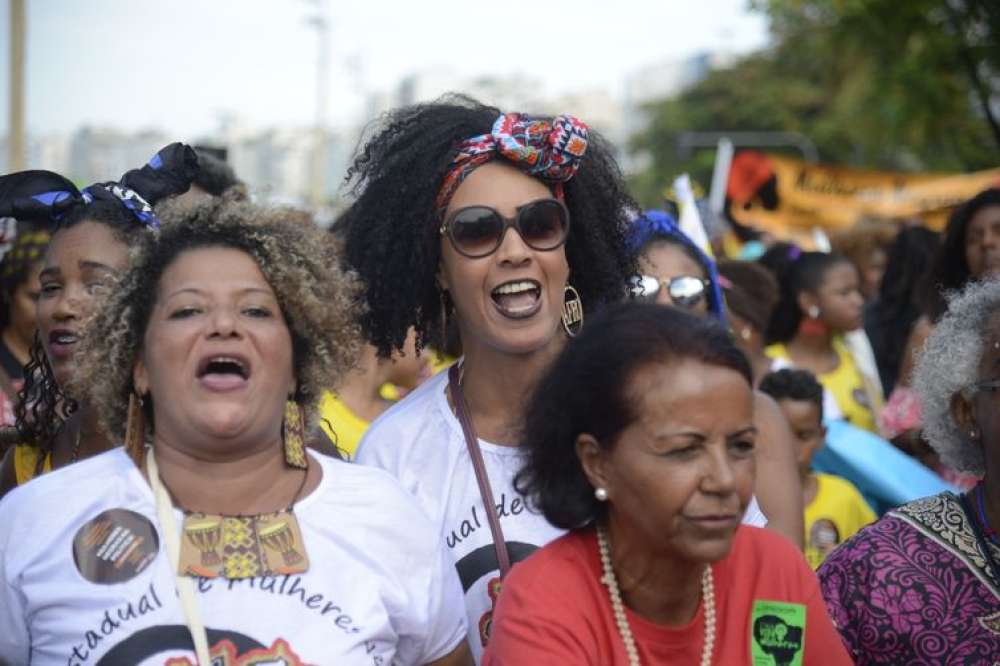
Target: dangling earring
x=812 y=325
x=135 y=429
x=572 y=315
x=292 y=436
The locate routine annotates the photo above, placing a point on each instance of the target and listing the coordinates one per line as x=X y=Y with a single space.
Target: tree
x=876 y=83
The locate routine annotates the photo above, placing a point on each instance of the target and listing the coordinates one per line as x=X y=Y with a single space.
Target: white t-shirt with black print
x=380 y=588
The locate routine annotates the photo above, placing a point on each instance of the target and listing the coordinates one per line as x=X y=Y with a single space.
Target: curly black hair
x=607 y=354
x=950 y=271
x=391 y=230
x=898 y=306
x=796 y=272
x=793 y=384
x=214 y=176
x=42 y=405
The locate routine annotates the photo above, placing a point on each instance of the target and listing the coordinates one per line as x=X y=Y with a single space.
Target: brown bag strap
x=485 y=492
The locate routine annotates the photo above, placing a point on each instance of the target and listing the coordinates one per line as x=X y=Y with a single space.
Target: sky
x=182 y=65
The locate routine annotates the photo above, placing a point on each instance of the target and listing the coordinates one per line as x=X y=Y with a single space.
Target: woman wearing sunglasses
x=676 y=272
x=512 y=228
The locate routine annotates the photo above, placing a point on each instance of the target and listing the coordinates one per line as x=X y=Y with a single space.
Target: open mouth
x=223 y=373
x=518 y=299
x=61 y=342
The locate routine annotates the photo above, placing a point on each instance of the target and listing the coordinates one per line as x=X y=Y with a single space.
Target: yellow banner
x=832 y=198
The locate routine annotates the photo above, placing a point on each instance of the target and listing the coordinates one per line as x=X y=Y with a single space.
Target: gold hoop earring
x=572 y=314
x=135 y=429
x=292 y=435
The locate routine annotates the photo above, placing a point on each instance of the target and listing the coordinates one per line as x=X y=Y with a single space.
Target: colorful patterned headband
x=27 y=249
x=549 y=151
x=47 y=196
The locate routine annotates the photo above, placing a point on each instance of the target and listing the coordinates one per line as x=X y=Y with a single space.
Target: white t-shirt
x=420 y=442
x=380 y=589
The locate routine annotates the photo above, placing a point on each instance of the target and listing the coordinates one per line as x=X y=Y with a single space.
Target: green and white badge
x=777 y=633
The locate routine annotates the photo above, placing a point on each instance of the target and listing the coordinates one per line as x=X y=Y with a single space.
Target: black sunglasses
x=686 y=291
x=477 y=231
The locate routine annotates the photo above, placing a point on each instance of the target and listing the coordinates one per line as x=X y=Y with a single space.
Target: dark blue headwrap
x=48 y=197
x=658 y=224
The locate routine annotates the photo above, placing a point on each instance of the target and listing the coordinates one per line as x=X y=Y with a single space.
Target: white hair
x=948 y=364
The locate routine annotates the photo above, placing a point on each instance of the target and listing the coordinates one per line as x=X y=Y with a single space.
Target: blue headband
x=47 y=196
x=658 y=224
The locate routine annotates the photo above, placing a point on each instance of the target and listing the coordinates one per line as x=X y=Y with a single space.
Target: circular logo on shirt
x=861 y=397
x=114 y=547
x=824 y=536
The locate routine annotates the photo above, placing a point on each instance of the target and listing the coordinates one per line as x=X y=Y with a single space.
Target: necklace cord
x=185 y=586
x=618 y=606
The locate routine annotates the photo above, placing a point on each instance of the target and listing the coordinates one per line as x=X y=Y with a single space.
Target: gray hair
x=948 y=365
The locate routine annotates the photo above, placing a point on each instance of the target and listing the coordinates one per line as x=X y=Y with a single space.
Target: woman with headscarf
x=92 y=230
x=213 y=536
x=922 y=584
x=651 y=470
x=19 y=291
x=676 y=272
x=512 y=227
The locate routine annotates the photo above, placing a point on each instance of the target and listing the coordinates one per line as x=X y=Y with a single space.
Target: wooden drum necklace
x=618 y=607
x=277 y=532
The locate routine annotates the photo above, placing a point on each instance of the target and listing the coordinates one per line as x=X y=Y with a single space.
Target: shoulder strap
x=485 y=491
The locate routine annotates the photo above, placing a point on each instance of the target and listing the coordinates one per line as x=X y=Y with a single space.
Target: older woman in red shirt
x=641 y=441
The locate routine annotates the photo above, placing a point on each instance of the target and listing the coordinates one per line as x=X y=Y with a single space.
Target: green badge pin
x=778 y=633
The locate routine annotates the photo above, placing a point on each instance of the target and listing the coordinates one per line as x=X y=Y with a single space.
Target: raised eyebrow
x=742 y=432
x=84 y=264
x=686 y=434
x=201 y=292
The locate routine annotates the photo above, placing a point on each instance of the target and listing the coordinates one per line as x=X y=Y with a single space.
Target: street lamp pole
x=320 y=21
x=18 y=36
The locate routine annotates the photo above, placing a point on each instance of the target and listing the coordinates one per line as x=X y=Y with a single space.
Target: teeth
x=66 y=339
x=515 y=287
x=227 y=359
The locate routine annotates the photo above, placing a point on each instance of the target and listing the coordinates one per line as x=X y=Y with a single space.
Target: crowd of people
x=495 y=414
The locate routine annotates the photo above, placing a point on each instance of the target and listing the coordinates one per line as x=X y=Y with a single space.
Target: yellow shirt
x=26 y=462
x=835 y=514
x=341 y=425
x=844 y=383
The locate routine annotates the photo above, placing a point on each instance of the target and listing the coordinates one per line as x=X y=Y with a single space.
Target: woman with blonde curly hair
x=921 y=584
x=213 y=533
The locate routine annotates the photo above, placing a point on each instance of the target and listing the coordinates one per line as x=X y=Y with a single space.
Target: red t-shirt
x=554 y=610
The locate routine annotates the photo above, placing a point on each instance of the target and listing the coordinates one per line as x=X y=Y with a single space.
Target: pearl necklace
x=609 y=579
